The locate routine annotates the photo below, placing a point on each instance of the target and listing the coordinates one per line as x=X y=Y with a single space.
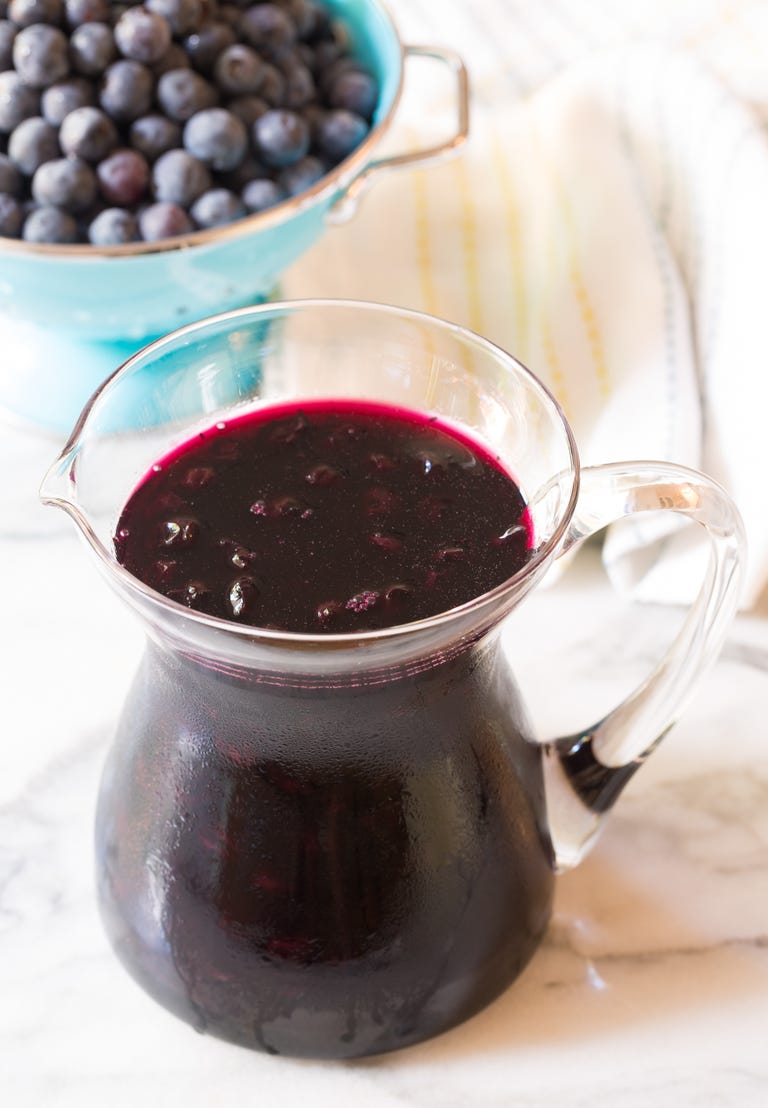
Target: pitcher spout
x=59 y=486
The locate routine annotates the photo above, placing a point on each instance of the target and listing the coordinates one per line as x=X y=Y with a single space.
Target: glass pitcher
x=339 y=845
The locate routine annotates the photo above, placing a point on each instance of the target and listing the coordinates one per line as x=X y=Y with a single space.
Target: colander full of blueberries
x=161 y=161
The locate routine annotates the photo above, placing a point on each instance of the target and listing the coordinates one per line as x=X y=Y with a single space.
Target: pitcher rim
x=296 y=639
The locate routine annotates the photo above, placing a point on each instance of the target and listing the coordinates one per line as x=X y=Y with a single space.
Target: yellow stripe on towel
x=469 y=246
x=423 y=243
x=512 y=223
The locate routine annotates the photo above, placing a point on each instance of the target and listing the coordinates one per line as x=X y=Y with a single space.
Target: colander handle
x=346 y=205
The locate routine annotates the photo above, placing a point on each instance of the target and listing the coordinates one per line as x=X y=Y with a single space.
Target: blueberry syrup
x=332 y=865
x=325 y=516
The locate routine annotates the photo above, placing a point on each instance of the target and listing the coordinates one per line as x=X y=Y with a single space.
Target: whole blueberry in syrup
x=326 y=516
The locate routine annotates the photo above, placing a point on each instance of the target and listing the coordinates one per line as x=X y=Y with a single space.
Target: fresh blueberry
x=178 y=178
x=17 y=101
x=41 y=55
x=304 y=16
x=280 y=138
x=216 y=208
x=174 y=58
x=273 y=86
x=238 y=70
x=163 y=221
x=50 y=225
x=248 y=109
x=269 y=28
x=126 y=91
x=204 y=46
x=8 y=32
x=262 y=193
x=299 y=86
x=88 y=133
x=86 y=11
x=356 y=91
x=92 y=48
x=11 y=216
x=31 y=143
x=66 y=96
x=113 y=227
x=217 y=138
x=123 y=178
x=153 y=135
x=10 y=178
x=182 y=92
x=325 y=55
x=249 y=170
x=183 y=16
x=142 y=36
x=315 y=24
x=340 y=132
x=67 y=183
x=302 y=175
x=26 y=12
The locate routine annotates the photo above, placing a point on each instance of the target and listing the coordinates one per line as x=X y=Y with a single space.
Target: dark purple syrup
x=333 y=864
x=328 y=516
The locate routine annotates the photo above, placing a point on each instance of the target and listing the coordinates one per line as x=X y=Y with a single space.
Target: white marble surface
x=650 y=990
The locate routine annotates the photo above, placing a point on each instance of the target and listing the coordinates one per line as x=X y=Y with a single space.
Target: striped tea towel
x=611 y=230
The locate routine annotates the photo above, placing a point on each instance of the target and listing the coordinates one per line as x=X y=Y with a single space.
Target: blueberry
x=67 y=183
x=273 y=86
x=26 y=12
x=163 y=221
x=238 y=70
x=280 y=138
x=183 y=16
x=217 y=138
x=88 y=133
x=8 y=32
x=174 y=58
x=216 y=208
x=142 y=36
x=123 y=178
x=182 y=92
x=153 y=135
x=243 y=597
x=248 y=170
x=356 y=91
x=248 y=109
x=302 y=175
x=340 y=132
x=315 y=24
x=126 y=91
x=325 y=54
x=10 y=178
x=268 y=28
x=204 y=46
x=178 y=178
x=49 y=224
x=41 y=55
x=92 y=48
x=261 y=194
x=31 y=143
x=304 y=16
x=86 y=11
x=113 y=227
x=64 y=97
x=11 y=216
x=299 y=86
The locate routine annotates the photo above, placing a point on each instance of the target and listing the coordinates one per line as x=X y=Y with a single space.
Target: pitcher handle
x=585 y=772
x=346 y=206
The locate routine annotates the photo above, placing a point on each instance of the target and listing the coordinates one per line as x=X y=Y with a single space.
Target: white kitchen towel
x=611 y=230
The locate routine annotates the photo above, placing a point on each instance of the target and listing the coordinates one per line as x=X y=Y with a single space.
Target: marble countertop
x=651 y=988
